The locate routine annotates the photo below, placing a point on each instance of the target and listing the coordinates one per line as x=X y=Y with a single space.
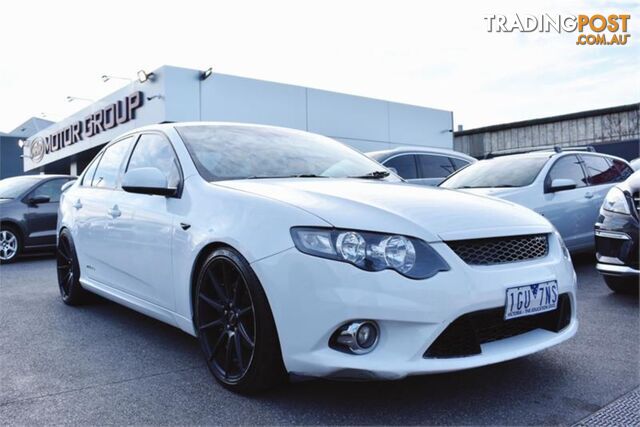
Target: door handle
x=588 y=195
x=77 y=204
x=114 y=212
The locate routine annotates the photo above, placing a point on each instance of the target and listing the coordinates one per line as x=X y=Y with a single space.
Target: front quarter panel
x=256 y=226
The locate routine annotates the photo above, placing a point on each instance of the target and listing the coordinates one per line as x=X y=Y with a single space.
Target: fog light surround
x=356 y=337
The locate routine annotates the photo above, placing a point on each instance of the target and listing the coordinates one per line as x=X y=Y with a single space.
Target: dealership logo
x=37 y=149
x=105 y=119
x=597 y=29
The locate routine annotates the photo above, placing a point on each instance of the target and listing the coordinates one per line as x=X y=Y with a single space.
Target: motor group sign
x=99 y=121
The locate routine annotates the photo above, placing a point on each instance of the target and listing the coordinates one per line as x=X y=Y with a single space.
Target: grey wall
x=10 y=161
x=364 y=123
x=597 y=130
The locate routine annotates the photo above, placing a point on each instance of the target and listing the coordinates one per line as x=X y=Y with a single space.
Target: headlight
x=565 y=250
x=369 y=251
x=616 y=201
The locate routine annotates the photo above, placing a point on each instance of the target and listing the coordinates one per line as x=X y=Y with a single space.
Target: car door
x=404 y=165
x=94 y=203
x=602 y=174
x=568 y=210
x=41 y=218
x=144 y=230
x=433 y=168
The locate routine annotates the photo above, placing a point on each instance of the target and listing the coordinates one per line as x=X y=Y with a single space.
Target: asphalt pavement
x=105 y=364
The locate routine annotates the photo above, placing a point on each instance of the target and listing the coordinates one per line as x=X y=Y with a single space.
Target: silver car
x=567 y=187
x=422 y=165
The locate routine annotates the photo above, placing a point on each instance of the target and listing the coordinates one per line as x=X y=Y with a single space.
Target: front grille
x=636 y=201
x=498 y=250
x=464 y=335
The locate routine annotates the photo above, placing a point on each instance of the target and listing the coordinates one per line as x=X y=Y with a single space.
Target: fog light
x=358 y=337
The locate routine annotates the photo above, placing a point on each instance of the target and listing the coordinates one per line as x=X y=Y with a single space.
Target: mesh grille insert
x=498 y=250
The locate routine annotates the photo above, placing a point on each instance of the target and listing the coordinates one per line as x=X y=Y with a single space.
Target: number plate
x=531 y=299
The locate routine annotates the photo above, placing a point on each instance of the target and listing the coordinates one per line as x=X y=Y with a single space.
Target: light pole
x=77 y=98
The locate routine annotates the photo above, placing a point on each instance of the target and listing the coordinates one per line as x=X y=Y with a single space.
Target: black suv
x=617 y=236
x=29 y=213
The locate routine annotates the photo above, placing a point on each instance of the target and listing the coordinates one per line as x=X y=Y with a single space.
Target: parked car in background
x=617 y=236
x=635 y=164
x=422 y=165
x=567 y=187
x=288 y=252
x=28 y=213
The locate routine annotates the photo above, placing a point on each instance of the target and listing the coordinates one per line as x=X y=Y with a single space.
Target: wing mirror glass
x=147 y=181
x=561 y=184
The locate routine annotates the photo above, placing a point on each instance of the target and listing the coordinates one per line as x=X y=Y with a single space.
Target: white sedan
x=286 y=252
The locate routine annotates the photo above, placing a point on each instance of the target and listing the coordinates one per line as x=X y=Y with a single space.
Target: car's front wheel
x=235 y=325
x=69 y=271
x=622 y=285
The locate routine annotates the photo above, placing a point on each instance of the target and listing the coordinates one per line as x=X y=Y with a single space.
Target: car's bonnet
x=431 y=213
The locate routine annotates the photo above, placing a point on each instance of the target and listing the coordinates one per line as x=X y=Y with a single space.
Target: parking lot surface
x=105 y=364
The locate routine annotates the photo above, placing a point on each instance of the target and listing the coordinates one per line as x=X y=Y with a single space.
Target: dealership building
x=613 y=130
x=172 y=94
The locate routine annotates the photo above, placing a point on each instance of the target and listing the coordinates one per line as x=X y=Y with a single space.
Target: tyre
x=235 y=326
x=10 y=244
x=622 y=285
x=69 y=271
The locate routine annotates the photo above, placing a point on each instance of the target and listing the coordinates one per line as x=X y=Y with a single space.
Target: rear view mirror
x=147 y=181
x=37 y=200
x=561 y=184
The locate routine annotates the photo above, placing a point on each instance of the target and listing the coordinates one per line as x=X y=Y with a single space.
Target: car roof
x=384 y=154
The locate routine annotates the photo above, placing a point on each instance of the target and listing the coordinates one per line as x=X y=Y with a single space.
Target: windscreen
x=225 y=152
x=10 y=188
x=507 y=171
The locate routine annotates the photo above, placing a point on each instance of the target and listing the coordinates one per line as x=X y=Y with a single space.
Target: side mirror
x=37 y=200
x=392 y=169
x=147 y=181
x=561 y=184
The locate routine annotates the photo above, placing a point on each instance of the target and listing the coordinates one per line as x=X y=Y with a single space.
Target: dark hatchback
x=617 y=236
x=29 y=213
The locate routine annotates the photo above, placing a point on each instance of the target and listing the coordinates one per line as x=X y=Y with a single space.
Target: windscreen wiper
x=302 y=175
x=373 y=175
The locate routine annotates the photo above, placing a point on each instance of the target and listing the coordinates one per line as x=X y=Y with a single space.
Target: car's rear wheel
x=10 y=244
x=235 y=325
x=69 y=271
x=622 y=285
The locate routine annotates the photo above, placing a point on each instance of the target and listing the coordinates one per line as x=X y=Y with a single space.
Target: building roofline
x=551 y=119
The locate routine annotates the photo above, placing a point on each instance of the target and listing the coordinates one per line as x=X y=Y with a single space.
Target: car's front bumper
x=617 y=243
x=311 y=297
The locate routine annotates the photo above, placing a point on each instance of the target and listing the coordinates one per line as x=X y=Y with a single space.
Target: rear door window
x=405 y=166
x=91 y=170
x=623 y=170
x=432 y=166
x=600 y=170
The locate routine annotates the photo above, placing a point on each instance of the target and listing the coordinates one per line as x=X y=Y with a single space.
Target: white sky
x=436 y=54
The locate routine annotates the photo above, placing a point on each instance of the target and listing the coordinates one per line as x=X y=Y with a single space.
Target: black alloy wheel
x=234 y=324
x=68 y=271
